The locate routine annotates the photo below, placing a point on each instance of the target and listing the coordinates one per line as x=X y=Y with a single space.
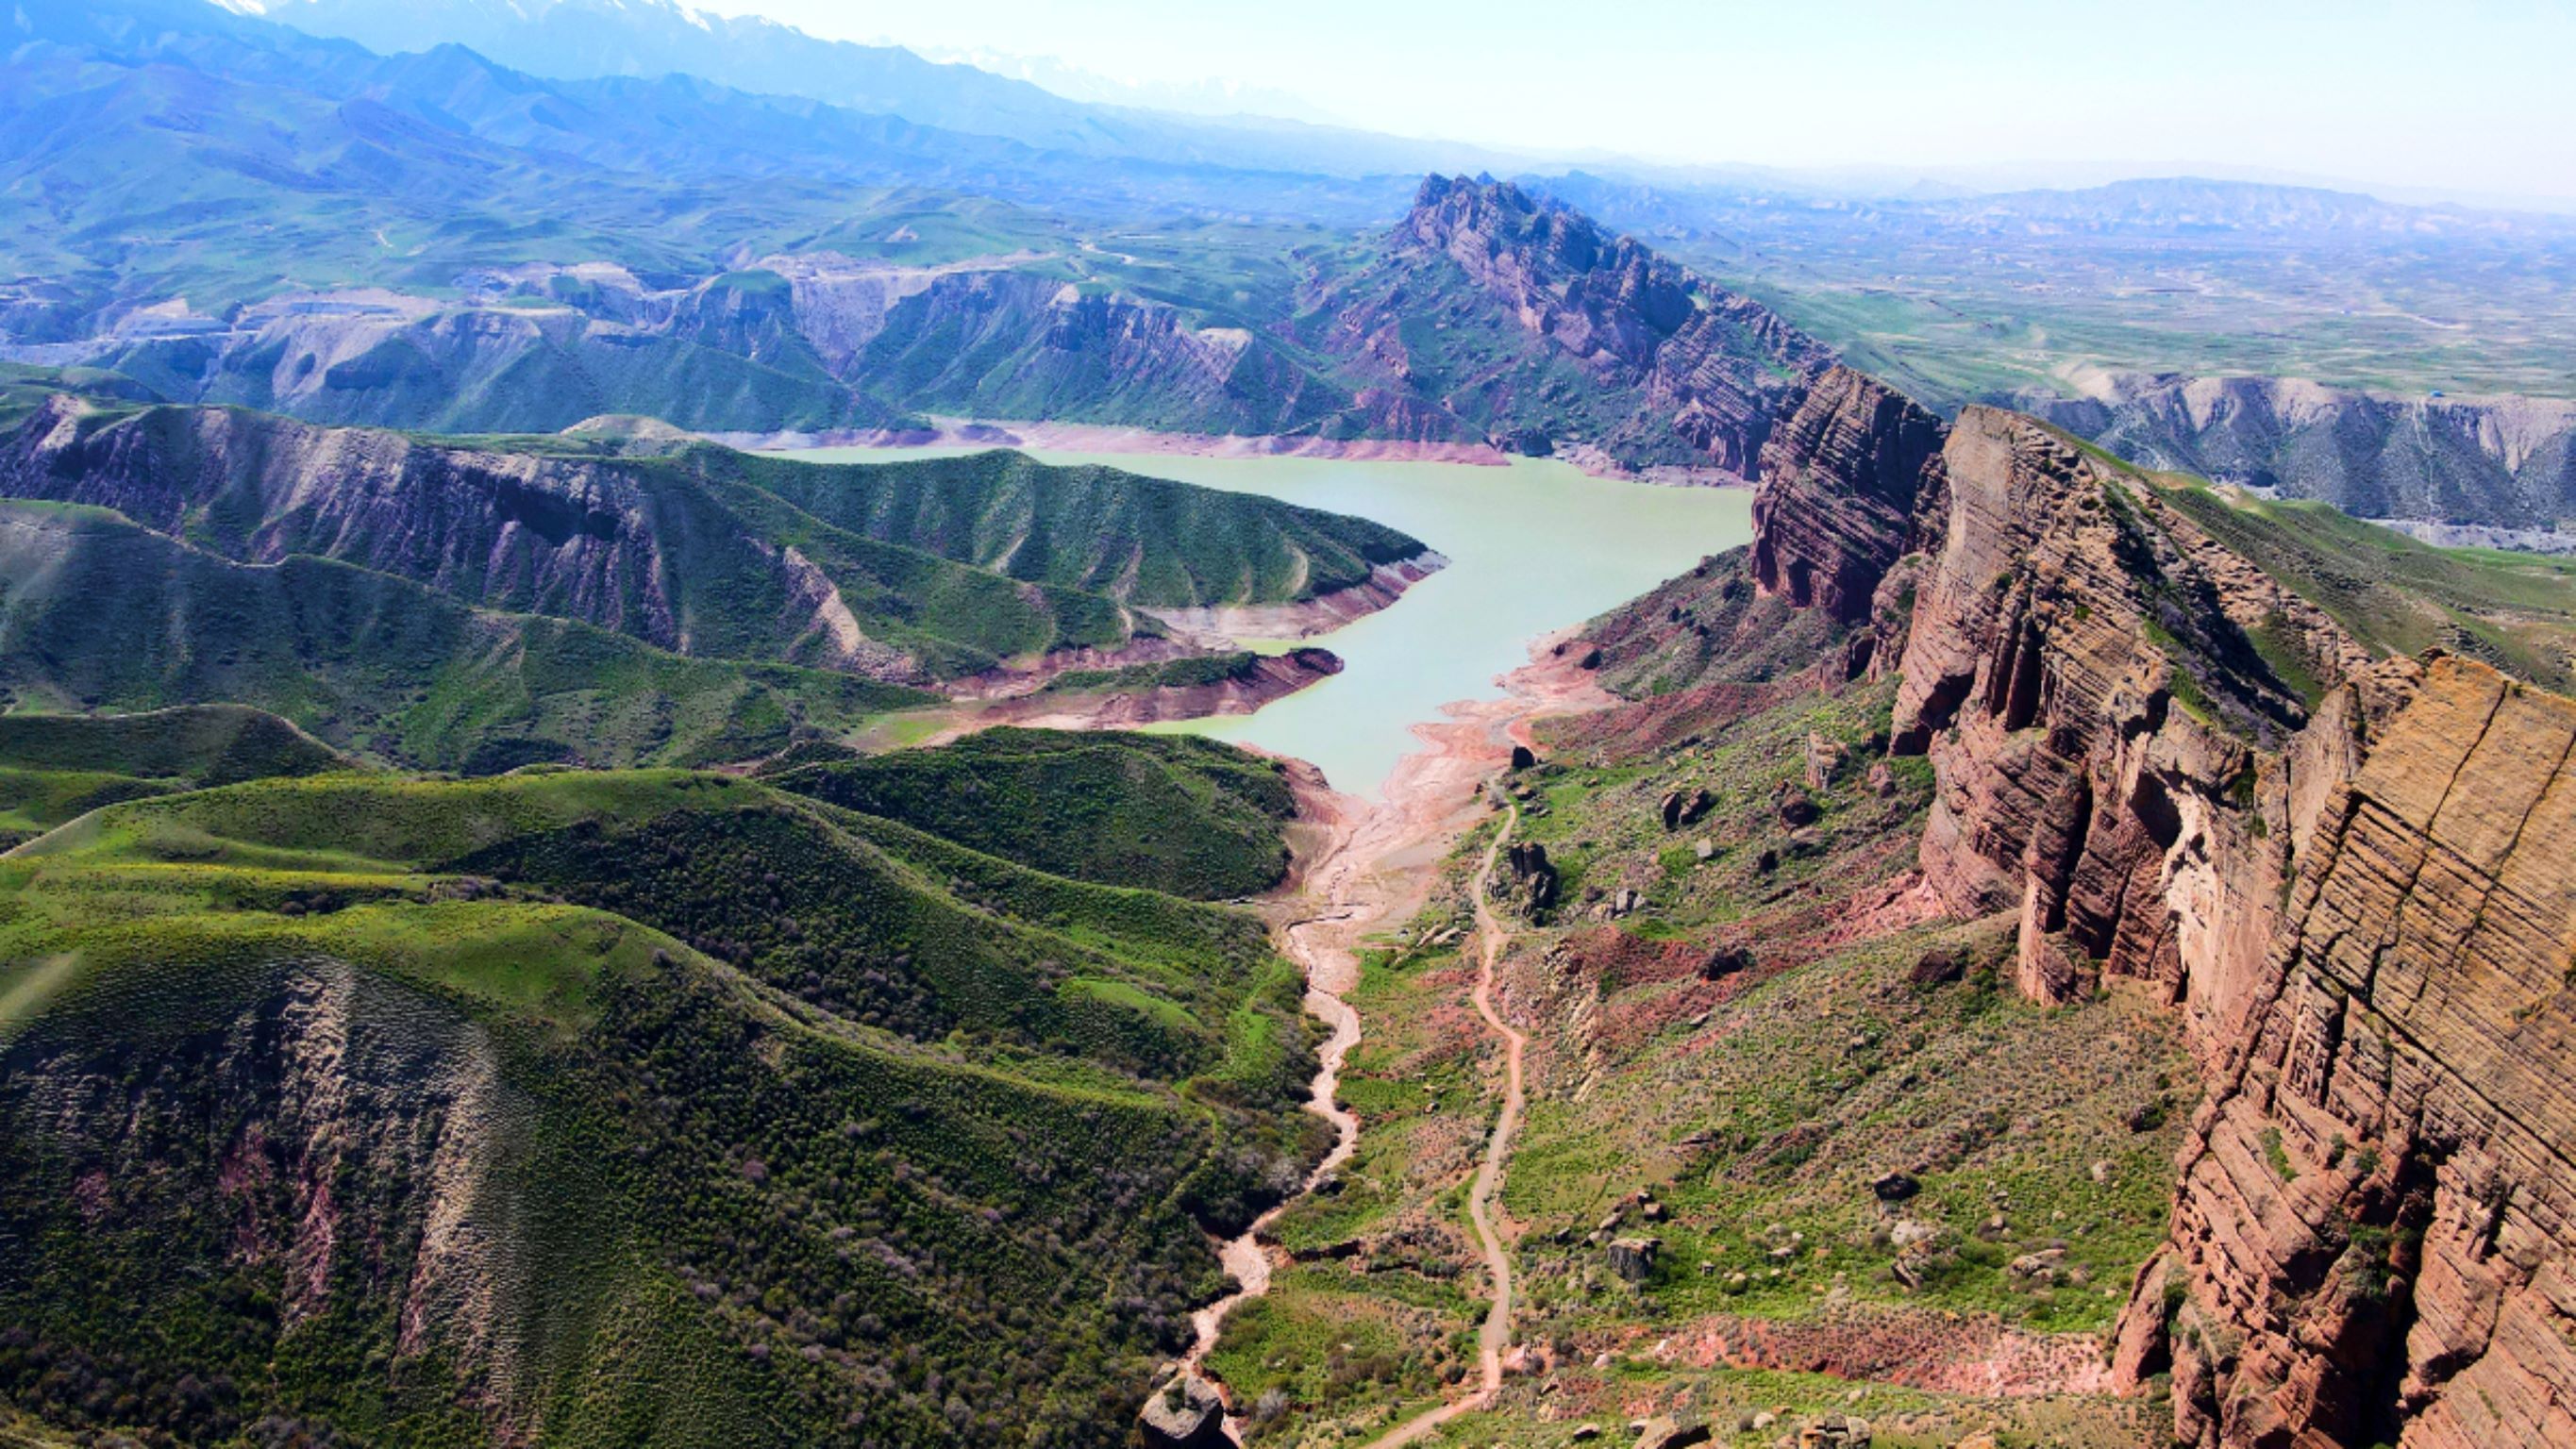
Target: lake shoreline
x=981 y=433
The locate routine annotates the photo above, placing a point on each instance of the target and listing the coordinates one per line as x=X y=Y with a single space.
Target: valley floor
x=1367 y=1296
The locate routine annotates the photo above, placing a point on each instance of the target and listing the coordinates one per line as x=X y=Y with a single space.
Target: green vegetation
x=1145 y=541
x=1197 y=671
x=901 y=570
x=763 y=1120
x=1719 y=1063
x=1166 y=812
x=2515 y=611
x=217 y=744
x=54 y=768
x=97 y=614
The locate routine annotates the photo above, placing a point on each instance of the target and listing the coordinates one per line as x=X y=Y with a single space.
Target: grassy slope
x=1146 y=541
x=911 y=1101
x=2515 y=611
x=1170 y=812
x=959 y=564
x=56 y=767
x=100 y=614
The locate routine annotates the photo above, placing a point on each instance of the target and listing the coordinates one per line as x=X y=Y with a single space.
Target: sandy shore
x=1102 y=438
x=1364 y=867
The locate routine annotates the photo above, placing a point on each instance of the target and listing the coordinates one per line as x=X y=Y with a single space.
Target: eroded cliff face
x=2375 y=1238
x=2118 y=756
x=1853 y=478
x=2354 y=876
x=2505 y=461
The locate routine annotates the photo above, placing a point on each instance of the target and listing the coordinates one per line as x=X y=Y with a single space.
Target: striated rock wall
x=1851 y=477
x=2118 y=758
x=2375 y=1237
x=2356 y=877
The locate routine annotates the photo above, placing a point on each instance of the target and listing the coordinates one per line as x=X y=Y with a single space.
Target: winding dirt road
x=1496 y=1335
x=1372 y=867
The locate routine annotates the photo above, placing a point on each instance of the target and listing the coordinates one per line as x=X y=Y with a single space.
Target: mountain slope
x=2179 y=757
x=1487 y=314
x=704 y=551
x=584 y=39
x=98 y=613
x=56 y=768
x=420 y=1154
x=2504 y=462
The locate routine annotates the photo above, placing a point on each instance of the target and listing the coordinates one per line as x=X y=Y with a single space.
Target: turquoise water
x=1533 y=547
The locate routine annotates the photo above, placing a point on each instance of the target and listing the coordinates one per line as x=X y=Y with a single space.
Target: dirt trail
x=1496 y=1335
x=1370 y=867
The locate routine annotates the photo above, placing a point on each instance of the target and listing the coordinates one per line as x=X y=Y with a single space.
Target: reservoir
x=1533 y=546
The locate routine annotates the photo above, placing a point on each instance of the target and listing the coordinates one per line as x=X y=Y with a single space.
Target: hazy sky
x=2474 y=96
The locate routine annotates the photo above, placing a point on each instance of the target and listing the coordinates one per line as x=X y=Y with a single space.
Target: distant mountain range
x=596 y=39
x=229 y=210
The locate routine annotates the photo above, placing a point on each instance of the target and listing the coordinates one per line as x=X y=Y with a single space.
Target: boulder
x=1685 y=807
x=1895 y=1187
x=1881 y=779
x=1704 y=849
x=1523 y=757
x=1836 y=1431
x=1725 y=960
x=1793 y=806
x=1634 y=1258
x=1665 y=1432
x=1186 y=1412
x=1939 y=967
x=1824 y=757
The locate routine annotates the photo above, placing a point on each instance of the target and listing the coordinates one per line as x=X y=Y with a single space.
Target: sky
x=2470 y=98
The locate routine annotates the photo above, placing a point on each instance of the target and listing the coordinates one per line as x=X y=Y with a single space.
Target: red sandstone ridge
x=1560 y=338
x=1852 y=478
x=2359 y=888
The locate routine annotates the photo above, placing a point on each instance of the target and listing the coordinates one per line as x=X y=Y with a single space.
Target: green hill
x=902 y=572
x=99 y=614
x=650 y=1108
x=1169 y=813
x=54 y=768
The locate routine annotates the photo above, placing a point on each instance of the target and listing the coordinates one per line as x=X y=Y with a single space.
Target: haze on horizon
x=2461 y=101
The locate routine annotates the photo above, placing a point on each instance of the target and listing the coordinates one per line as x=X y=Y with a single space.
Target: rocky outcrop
x=1187 y=1412
x=1851 y=481
x=1572 y=340
x=2101 y=689
x=1532 y=881
x=2354 y=876
x=2375 y=1239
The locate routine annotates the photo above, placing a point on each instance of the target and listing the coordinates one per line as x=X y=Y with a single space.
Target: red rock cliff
x=2360 y=888
x=2375 y=1234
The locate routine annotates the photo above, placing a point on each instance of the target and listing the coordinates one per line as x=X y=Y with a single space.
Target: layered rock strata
x=2355 y=876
